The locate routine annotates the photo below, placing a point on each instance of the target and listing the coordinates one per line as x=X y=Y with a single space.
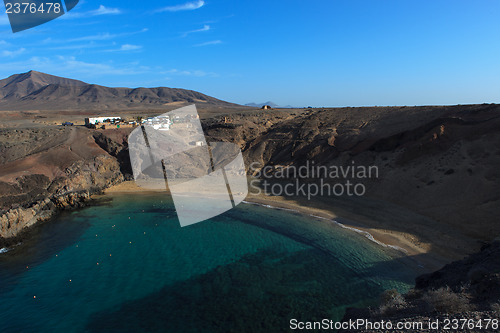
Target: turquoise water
x=126 y=265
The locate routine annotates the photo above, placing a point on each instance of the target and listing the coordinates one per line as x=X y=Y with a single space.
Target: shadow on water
x=275 y=281
x=260 y=292
x=318 y=236
x=40 y=244
x=386 y=269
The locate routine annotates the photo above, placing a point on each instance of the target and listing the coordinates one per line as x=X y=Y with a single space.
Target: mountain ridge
x=37 y=90
x=271 y=104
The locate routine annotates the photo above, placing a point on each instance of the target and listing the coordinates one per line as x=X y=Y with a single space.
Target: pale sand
x=410 y=246
x=129 y=187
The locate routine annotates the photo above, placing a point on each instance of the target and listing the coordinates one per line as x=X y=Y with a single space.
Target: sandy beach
x=409 y=245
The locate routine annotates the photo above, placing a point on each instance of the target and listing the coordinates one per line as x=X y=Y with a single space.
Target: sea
x=124 y=264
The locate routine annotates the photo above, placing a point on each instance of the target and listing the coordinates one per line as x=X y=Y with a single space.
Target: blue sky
x=297 y=52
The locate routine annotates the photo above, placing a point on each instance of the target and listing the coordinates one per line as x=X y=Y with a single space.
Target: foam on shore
x=359 y=231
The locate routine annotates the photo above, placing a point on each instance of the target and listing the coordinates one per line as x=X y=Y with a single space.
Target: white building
x=161 y=123
x=100 y=120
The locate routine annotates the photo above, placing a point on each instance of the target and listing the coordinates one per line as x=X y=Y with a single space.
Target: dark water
x=127 y=266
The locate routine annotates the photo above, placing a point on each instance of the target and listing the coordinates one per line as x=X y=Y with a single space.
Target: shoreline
x=409 y=246
x=335 y=221
x=385 y=238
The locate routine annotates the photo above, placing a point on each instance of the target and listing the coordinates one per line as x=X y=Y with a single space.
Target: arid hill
x=39 y=91
x=438 y=165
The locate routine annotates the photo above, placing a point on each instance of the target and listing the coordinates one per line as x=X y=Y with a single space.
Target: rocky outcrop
x=467 y=289
x=119 y=150
x=478 y=274
x=41 y=199
x=17 y=220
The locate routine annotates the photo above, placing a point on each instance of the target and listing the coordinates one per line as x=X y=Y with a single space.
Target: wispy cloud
x=71 y=63
x=186 y=6
x=196 y=73
x=96 y=37
x=102 y=10
x=126 y=48
x=130 y=47
x=7 y=53
x=212 y=42
x=71 y=66
x=89 y=45
x=101 y=36
x=206 y=27
x=4 y=19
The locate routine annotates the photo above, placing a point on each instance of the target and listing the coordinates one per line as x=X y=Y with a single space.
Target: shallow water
x=127 y=265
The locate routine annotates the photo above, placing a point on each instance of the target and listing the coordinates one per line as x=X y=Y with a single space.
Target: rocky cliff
x=54 y=177
x=439 y=166
x=467 y=290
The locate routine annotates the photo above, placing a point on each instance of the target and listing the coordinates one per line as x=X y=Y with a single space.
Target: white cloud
x=90 y=45
x=130 y=47
x=90 y=38
x=7 y=53
x=102 y=10
x=72 y=67
x=206 y=27
x=71 y=63
x=186 y=6
x=103 y=36
x=212 y=42
x=125 y=48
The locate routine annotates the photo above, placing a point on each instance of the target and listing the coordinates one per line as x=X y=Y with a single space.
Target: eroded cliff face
x=440 y=162
x=34 y=188
x=83 y=180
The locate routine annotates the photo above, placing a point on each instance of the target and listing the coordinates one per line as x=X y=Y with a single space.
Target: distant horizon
x=252 y=102
x=346 y=52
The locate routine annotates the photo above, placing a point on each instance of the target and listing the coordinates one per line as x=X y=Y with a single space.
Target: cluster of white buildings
x=161 y=123
x=89 y=122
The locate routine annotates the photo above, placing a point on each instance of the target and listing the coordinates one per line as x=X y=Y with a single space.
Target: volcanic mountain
x=39 y=91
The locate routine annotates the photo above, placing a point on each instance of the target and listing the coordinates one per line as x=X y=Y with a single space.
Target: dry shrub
x=496 y=309
x=444 y=300
x=391 y=301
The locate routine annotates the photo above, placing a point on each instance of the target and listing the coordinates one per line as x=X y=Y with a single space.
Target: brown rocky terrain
x=437 y=185
x=46 y=170
x=468 y=289
x=438 y=166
